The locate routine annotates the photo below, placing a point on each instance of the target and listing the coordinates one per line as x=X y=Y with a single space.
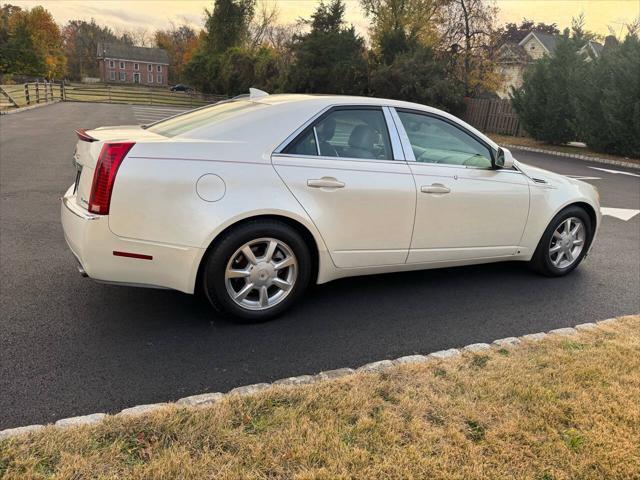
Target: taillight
x=111 y=156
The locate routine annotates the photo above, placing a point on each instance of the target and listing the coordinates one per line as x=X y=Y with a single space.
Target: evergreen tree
x=546 y=101
x=330 y=58
x=227 y=25
x=608 y=104
x=419 y=76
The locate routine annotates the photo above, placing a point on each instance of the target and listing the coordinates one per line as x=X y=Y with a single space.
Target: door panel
x=364 y=210
x=465 y=209
x=482 y=215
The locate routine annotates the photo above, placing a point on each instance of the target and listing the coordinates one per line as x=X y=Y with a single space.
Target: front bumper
x=93 y=244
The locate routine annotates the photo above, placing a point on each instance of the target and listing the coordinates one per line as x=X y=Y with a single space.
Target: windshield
x=200 y=117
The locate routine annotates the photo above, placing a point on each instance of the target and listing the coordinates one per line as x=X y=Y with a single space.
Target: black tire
x=541 y=260
x=213 y=275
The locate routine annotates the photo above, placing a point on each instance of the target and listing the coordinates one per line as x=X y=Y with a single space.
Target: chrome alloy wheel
x=261 y=273
x=567 y=242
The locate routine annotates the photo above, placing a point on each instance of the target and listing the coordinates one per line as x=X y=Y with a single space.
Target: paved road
x=69 y=346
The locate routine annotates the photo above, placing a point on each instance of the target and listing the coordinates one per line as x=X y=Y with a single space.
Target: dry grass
x=564 y=408
x=530 y=142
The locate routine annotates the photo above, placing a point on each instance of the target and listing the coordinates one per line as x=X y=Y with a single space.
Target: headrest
x=363 y=136
x=326 y=129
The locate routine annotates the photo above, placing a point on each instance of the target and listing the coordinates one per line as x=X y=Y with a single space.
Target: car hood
x=542 y=176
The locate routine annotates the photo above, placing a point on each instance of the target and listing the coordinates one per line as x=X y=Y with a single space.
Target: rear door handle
x=435 y=188
x=325 y=182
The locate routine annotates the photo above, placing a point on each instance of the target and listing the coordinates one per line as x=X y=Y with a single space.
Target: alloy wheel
x=261 y=273
x=567 y=242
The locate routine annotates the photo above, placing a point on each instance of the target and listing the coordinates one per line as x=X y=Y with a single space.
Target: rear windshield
x=198 y=118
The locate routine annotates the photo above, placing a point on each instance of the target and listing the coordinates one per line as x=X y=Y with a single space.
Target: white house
x=513 y=58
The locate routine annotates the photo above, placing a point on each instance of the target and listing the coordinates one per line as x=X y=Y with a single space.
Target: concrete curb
x=30 y=107
x=607 y=161
x=206 y=399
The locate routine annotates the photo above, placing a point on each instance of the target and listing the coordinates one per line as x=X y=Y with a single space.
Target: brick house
x=120 y=63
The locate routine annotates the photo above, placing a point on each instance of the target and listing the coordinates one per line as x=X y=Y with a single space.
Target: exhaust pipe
x=82 y=272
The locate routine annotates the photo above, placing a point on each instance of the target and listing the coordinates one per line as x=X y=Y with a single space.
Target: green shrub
x=418 y=76
x=608 y=104
x=546 y=101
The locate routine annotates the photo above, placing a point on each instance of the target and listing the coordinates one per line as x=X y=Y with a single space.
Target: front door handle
x=325 y=182
x=435 y=188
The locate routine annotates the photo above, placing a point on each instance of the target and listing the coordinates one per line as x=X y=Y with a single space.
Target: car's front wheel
x=257 y=271
x=564 y=243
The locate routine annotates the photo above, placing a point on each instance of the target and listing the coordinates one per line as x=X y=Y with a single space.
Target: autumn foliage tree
x=33 y=43
x=81 y=40
x=468 y=32
x=180 y=44
x=399 y=26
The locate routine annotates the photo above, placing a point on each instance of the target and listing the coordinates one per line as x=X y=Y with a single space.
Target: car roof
x=329 y=100
x=320 y=101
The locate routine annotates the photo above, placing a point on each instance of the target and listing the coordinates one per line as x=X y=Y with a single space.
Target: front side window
x=112 y=75
x=348 y=133
x=149 y=77
x=136 y=66
x=121 y=64
x=159 y=78
x=158 y=68
x=112 y=64
x=436 y=141
x=123 y=76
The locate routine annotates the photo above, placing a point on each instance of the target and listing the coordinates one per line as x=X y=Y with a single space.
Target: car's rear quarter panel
x=155 y=198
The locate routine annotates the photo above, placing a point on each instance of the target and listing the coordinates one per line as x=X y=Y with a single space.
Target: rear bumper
x=93 y=244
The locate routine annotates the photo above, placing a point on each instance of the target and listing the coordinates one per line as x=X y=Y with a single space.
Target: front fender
x=547 y=200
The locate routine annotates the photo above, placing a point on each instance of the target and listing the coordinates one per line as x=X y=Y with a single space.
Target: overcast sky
x=154 y=14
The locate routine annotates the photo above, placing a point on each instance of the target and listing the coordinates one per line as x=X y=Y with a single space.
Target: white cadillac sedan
x=253 y=199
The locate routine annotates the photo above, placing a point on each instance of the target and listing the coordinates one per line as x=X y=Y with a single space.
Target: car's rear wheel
x=257 y=271
x=564 y=243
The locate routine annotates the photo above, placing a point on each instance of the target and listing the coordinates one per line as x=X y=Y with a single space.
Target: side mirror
x=504 y=159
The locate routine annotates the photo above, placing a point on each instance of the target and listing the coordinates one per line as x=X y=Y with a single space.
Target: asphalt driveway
x=70 y=346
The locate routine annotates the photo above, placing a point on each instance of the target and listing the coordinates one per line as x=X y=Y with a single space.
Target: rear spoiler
x=84 y=136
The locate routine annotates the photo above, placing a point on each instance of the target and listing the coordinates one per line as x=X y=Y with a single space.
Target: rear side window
x=349 y=133
x=304 y=145
x=201 y=117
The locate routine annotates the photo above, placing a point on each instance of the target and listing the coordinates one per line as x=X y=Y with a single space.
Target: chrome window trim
x=465 y=167
x=404 y=138
x=396 y=145
x=315 y=135
x=324 y=157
